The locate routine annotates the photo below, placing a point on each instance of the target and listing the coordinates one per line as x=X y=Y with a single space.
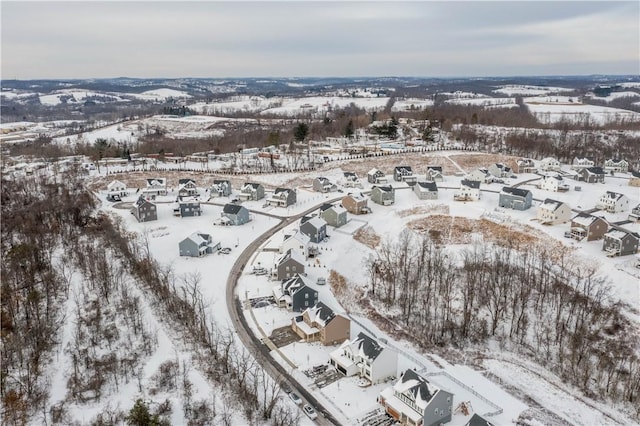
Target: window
x=306 y=296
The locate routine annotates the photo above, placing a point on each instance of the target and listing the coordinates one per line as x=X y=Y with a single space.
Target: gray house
x=384 y=195
x=515 y=198
x=187 y=207
x=590 y=175
x=351 y=180
x=198 y=245
x=144 y=210
x=434 y=174
x=335 y=216
x=294 y=294
x=500 y=170
x=283 y=197
x=403 y=174
x=376 y=176
x=288 y=265
x=220 y=188
x=235 y=214
x=413 y=400
x=322 y=184
x=426 y=190
x=313 y=227
x=620 y=242
x=634 y=216
x=251 y=191
x=187 y=188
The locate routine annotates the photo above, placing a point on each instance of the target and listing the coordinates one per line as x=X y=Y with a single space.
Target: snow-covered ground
x=411 y=104
x=77 y=96
x=485 y=102
x=527 y=90
x=160 y=94
x=614 y=95
x=552 y=109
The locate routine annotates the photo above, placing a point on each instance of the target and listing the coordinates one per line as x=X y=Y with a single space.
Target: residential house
x=283 y=197
x=187 y=188
x=319 y=322
x=313 y=227
x=581 y=163
x=613 y=202
x=155 y=187
x=549 y=164
x=478 y=420
x=251 y=191
x=322 y=184
x=500 y=170
x=515 y=198
x=220 y=188
x=365 y=357
x=376 y=176
x=296 y=240
x=620 y=242
x=552 y=212
x=235 y=214
x=590 y=175
x=335 y=216
x=404 y=174
x=481 y=175
x=616 y=165
x=553 y=183
x=525 y=165
x=295 y=294
x=434 y=174
x=589 y=227
x=634 y=216
x=187 y=207
x=426 y=190
x=384 y=195
x=292 y=262
x=144 y=211
x=469 y=191
x=117 y=188
x=355 y=204
x=414 y=401
x=635 y=179
x=198 y=245
x=351 y=180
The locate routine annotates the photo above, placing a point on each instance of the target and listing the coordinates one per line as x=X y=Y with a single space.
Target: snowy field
x=526 y=90
x=614 y=95
x=552 y=109
x=411 y=104
x=485 y=102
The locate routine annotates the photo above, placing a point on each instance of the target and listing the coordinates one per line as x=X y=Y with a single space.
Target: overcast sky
x=285 y=39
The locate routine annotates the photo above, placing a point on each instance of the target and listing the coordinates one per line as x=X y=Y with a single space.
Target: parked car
x=285 y=387
x=310 y=412
x=295 y=398
x=224 y=250
x=321 y=281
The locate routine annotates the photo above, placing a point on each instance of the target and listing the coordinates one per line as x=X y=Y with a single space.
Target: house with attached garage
x=187 y=188
x=634 y=216
x=552 y=212
x=313 y=227
x=383 y=195
x=414 y=401
x=515 y=198
x=635 y=179
x=155 y=187
x=552 y=183
x=220 y=188
x=616 y=165
x=376 y=176
x=469 y=191
x=292 y=262
x=320 y=323
x=117 y=188
x=588 y=227
x=478 y=420
x=404 y=174
x=296 y=240
x=295 y=294
x=590 y=175
x=365 y=357
x=549 y=164
x=144 y=210
x=613 y=202
x=426 y=190
x=282 y=197
x=500 y=170
x=322 y=184
x=198 y=245
x=481 y=175
x=187 y=207
x=235 y=214
x=351 y=180
x=581 y=163
x=620 y=242
x=251 y=191
x=356 y=204
x=526 y=165
x=434 y=174
x=335 y=216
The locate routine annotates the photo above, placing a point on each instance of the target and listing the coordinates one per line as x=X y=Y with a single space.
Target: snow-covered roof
x=198 y=238
x=156 y=182
x=291 y=254
x=584 y=219
x=299 y=236
x=551 y=205
x=518 y=192
x=417 y=388
x=317 y=222
x=116 y=184
x=373 y=172
x=386 y=188
x=320 y=314
x=612 y=195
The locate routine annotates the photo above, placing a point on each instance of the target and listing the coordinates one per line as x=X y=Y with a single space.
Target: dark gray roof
x=279 y=190
x=349 y=174
x=431 y=186
x=518 y=192
x=254 y=185
x=370 y=347
x=477 y=420
x=385 y=188
x=595 y=170
x=141 y=200
x=183 y=181
x=401 y=169
x=471 y=183
x=325 y=206
x=438 y=168
x=635 y=174
x=219 y=181
x=231 y=208
x=325 y=313
x=421 y=388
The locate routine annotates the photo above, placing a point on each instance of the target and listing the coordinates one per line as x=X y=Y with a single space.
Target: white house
x=117 y=188
x=553 y=183
x=155 y=187
x=614 y=165
x=613 y=202
x=481 y=175
x=581 y=163
x=367 y=358
x=552 y=212
x=297 y=241
x=469 y=191
x=549 y=164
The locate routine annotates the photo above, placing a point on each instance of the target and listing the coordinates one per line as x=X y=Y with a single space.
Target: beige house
x=635 y=179
x=320 y=323
x=552 y=212
x=589 y=227
x=355 y=204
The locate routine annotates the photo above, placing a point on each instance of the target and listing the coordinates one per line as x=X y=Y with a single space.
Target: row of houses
x=609 y=165
x=548 y=164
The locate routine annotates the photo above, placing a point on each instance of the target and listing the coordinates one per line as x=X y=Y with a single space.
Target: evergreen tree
x=300 y=132
x=348 y=131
